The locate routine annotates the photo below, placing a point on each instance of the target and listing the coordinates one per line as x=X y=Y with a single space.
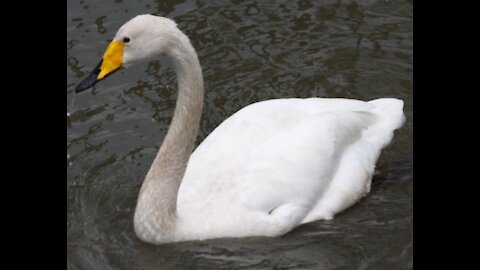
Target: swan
x=266 y=169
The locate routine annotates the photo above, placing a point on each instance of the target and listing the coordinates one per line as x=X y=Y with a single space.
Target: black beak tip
x=90 y=81
x=80 y=88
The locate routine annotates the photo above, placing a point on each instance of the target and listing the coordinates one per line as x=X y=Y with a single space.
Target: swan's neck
x=155 y=215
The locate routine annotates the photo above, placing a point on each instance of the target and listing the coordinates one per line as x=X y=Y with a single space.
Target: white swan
x=266 y=169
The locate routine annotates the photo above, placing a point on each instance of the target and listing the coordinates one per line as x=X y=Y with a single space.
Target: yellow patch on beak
x=112 y=59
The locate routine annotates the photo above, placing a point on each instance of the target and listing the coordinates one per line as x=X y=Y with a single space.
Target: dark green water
x=249 y=51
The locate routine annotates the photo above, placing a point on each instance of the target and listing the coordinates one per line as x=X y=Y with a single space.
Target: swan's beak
x=111 y=62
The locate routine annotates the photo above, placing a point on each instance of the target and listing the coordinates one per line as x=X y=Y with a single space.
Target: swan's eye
x=126 y=40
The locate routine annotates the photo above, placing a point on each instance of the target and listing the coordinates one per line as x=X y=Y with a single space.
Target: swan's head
x=141 y=39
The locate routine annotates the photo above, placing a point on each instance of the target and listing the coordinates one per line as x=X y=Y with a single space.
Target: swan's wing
x=273 y=161
x=296 y=166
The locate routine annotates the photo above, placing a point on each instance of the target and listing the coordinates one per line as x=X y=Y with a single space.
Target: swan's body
x=266 y=169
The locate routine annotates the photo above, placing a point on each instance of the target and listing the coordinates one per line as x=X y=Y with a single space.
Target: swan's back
x=279 y=163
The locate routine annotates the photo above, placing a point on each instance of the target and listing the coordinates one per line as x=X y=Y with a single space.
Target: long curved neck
x=156 y=207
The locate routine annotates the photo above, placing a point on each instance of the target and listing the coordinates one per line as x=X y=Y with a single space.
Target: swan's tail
x=390 y=114
x=391 y=107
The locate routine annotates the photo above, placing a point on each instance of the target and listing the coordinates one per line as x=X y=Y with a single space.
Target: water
x=249 y=51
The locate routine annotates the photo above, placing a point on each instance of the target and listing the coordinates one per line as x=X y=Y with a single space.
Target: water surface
x=250 y=51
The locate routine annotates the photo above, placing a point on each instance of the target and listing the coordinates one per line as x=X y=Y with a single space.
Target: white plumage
x=279 y=163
